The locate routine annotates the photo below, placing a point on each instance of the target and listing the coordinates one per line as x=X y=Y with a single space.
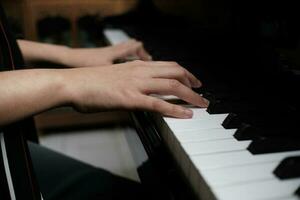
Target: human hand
x=87 y=57
x=129 y=85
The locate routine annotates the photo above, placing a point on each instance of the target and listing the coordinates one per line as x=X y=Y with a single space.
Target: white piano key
x=198 y=113
x=244 y=157
x=239 y=174
x=204 y=135
x=217 y=146
x=287 y=198
x=165 y=97
x=116 y=36
x=269 y=189
x=214 y=121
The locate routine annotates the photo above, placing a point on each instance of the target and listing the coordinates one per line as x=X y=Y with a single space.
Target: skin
x=82 y=57
x=93 y=83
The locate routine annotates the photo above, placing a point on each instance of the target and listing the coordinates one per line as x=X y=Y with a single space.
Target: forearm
x=28 y=92
x=35 y=51
x=82 y=57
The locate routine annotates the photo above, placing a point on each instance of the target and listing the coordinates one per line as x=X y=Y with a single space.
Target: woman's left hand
x=87 y=57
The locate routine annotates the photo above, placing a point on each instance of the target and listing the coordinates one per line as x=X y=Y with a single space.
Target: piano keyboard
x=219 y=166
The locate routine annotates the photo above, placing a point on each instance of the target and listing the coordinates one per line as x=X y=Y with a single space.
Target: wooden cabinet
x=34 y=10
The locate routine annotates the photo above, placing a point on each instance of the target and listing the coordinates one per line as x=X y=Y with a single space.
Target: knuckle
x=139 y=43
x=182 y=72
x=175 y=64
x=156 y=105
x=138 y=63
x=131 y=41
x=174 y=84
x=173 y=109
x=131 y=99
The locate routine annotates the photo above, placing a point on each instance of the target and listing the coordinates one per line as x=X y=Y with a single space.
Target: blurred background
x=78 y=22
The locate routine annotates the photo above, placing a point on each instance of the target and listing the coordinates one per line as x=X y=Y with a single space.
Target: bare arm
x=27 y=92
x=92 y=89
x=36 y=51
x=81 y=57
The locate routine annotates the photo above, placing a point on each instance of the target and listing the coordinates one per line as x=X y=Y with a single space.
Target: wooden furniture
x=34 y=10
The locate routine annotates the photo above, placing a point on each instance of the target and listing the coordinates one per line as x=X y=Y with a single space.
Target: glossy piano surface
x=246 y=145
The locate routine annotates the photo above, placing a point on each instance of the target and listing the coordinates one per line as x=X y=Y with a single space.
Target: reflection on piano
x=246 y=145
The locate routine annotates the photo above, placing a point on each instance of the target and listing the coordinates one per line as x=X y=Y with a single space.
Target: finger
x=163 y=107
x=125 y=49
x=196 y=83
x=173 y=74
x=174 y=87
x=133 y=49
x=174 y=70
x=165 y=71
x=142 y=53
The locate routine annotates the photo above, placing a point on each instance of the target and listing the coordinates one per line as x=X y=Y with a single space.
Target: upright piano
x=246 y=144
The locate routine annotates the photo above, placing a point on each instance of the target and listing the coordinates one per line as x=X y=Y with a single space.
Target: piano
x=246 y=144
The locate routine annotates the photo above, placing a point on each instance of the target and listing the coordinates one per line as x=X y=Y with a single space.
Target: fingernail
x=199 y=84
x=188 y=113
x=206 y=102
x=203 y=102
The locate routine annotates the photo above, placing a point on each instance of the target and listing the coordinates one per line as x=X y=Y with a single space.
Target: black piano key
x=269 y=121
x=232 y=121
x=210 y=96
x=245 y=132
x=219 y=106
x=272 y=145
x=248 y=132
x=298 y=192
x=216 y=107
x=221 y=95
x=201 y=90
x=288 y=168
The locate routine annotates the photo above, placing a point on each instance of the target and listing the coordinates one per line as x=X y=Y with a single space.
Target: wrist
x=69 y=92
x=61 y=87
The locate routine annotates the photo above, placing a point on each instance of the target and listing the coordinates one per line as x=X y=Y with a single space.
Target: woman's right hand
x=129 y=85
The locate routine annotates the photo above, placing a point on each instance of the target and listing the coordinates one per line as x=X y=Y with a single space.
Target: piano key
x=214 y=121
x=232 y=121
x=204 y=135
x=248 y=132
x=217 y=107
x=289 y=198
x=182 y=156
x=268 y=189
x=172 y=99
x=266 y=118
x=245 y=132
x=271 y=145
x=115 y=36
x=198 y=113
x=244 y=157
x=298 y=191
x=288 y=168
x=208 y=147
x=165 y=97
x=239 y=174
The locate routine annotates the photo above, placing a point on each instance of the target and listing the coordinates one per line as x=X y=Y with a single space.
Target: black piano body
x=247 y=56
